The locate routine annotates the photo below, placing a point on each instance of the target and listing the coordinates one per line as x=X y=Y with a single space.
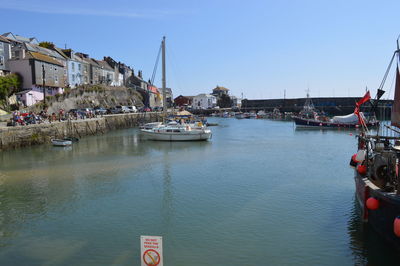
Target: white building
x=204 y=101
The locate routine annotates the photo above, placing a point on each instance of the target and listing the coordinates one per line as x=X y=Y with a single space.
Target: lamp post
x=43 y=79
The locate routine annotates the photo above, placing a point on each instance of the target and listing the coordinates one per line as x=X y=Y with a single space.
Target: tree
x=9 y=84
x=224 y=101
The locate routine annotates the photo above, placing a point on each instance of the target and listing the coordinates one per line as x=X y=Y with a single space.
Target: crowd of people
x=29 y=118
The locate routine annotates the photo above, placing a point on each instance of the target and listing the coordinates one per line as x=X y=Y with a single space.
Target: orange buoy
x=372 y=203
x=362 y=169
x=353 y=161
x=396 y=226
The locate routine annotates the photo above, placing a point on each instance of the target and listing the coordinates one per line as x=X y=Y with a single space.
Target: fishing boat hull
x=312 y=123
x=382 y=219
x=61 y=142
x=195 y=135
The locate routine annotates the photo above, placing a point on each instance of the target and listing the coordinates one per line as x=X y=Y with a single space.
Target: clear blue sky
x=260 y=48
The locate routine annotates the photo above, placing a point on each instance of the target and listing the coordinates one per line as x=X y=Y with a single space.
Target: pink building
x=30 y=97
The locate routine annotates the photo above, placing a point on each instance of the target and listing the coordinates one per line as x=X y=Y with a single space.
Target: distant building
x=219 y=91
x=155 y=96
x=95 y=71
x=183 y=101
x=169 y=97
x=31 y=69
x=5 y=55
x=107 y=73
x=85 y=67
x=74 y=69
x=236 y=102
x=122 y=72
x=204 y=101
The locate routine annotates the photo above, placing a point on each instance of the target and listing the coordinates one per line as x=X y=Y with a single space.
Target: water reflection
x=367 y=247
x=36 y=181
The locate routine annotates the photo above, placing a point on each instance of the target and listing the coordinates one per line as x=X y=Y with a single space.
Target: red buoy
x=372 y=203
x=362 y=169
x=396 y=226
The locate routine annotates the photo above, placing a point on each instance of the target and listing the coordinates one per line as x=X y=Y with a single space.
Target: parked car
x=100 y=111
x=125 y=109
x=115 y=110
x=120 y=109
x=132 y=109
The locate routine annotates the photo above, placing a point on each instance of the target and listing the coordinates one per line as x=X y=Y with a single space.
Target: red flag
x=364 y=99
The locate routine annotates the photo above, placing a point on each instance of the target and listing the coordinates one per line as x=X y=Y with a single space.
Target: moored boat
x=176 y=132
x=377 y=175
x=186 y=130
x=61 y=142
x=309 y=117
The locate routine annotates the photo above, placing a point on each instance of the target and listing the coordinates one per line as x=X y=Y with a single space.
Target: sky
x=260 y=48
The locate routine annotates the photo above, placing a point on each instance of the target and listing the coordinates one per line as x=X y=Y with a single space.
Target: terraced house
x=5 y=55
x=32 y=62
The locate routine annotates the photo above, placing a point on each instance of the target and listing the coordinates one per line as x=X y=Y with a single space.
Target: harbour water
x=259 y=193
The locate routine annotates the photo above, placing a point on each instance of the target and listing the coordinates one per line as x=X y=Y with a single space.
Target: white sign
x=151 y=250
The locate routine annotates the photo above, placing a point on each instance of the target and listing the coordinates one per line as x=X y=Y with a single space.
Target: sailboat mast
x=164 y=80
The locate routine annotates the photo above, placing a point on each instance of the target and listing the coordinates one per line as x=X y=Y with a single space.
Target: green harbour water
x=259 y=192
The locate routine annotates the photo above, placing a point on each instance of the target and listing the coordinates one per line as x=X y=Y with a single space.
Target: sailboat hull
x=195 y=135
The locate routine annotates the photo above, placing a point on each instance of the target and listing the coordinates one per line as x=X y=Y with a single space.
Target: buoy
x=357 y=126
x=396 y=226
x=372 y=203
x=353 y=161
x=351 y=134
x=320 y=124
x=362 y=169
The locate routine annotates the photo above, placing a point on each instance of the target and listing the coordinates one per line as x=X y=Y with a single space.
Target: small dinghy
x=61 y=142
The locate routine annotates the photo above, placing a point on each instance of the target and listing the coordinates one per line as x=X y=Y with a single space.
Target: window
x=73 y=78
x=73 y=66
x=1 y=47
x=1 y=60
x=56 y=79
x=16 y=54
x=79 y=67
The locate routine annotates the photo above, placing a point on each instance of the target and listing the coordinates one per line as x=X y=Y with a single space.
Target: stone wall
x=20 y=136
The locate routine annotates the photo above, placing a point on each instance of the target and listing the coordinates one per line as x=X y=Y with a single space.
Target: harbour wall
x=330 y=105
x=21 y=136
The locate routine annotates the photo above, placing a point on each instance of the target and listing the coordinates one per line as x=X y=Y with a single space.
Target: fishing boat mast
x=164 y=81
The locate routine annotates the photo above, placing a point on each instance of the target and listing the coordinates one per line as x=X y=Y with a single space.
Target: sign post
x=151 y=250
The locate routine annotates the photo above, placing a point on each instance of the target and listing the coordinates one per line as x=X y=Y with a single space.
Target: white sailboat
x=174 y=131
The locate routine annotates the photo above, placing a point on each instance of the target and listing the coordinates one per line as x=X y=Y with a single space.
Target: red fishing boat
x=376 y=164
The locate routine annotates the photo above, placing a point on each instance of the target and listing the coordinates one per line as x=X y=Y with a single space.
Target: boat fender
x=187 y=128
x=353 y=161
x=360 y=156
x=396 y=226
x=362 y=169
x=372 y=203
